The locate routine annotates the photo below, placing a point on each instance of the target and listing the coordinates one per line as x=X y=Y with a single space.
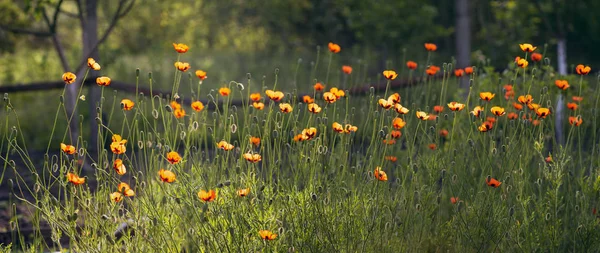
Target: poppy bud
x=548 y=216
x=443 y=172
x=511 y=211
x=6 y=97
x=104 y=217
x=371 y=90
x=227 y=183
x=275 y=134
x=418 y=207
x=98 y=121
x=576 y=208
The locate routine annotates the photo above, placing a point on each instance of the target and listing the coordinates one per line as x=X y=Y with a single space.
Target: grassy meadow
x=312 y=165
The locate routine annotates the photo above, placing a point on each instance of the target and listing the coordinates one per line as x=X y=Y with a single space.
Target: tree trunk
x=463 y=38
x=90 y=40
x=561 y=50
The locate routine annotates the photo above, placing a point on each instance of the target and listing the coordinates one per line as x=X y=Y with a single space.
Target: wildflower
x=438 y=108
x=497 y=110
x=224 y=146
x=255 y=141
x=125 y=189
x=432 y=117
x=411 y=65
x=548 y=159
x=285 y=108
x=116 y=197
x=69 y=77
x=207 y=196
x=180 y=47
x=314 y=108
x=430 y=47
x=469 y=70
x=395 y=134
x=309 y=133
x=337 y=92
x=390 y=74
x=491 y=119
x=391 y=158
x=179 y=113
x=255 y=97
x=118 y=145
x=319 y=87
x=575 y=121
x=536 y=57
x=74 y=179
x=380 y=174
x=477 y=111
x=103 y=81
x=334 y=48
x=307 y=99
x=197 y=106
x=175 y=105
x=535 y=122
x=512 y=115
x=224 y=91
x=583 y=70
x=517 y=106
x=562 y=84
x=527 y=47
x=453 y=200
x=485 y=126
x=119 y=167
x=526 y=99
x=398 y=123
x=201 y=74
x=422 y=115
x=400 y=109
x=394 y=98
x=329 y=97
x=68 y=149
x=385 y=103
x=389 y=142
x=254 y=158
x=258 y=105
x=274 y=95
x=432 y=146
x=127 y=104
x=509 y=94
x=243 y=192
x=444 y=133
x=487 y=96
x=166 y=176
x=455 y=106
x=173 y=157
x=577 y=99
x=522 y=63
x=347 y=69
x=337 y=127
x=492 y=182
x=533 y=106
x=542 y=112
x=432 y=70
x=267 y=235
x=182 y=66
x=508 y=87
x=459 y=72
x=93 y=64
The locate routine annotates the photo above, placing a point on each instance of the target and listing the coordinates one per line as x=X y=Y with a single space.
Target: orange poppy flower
x=432 y=117
x=508 y=87
x=562 y=84
x=455 y=106
x=432 y=70
x=548 y=159
x=491 y=119
x=224 y=91
x=444 y=133
x=430 y=47
x=319 y=87
x=337 y=92
x=533 y=106
x=459 y=72
x=509 y=94
x=497 y=110
x=469 y=70
x=254 y=158
x=583 y=70
x=300 y=137
x=527 y=47
x=542 y=112
x=398 y=123
x=389 y=142
x=182 y=66
x=197 y=106
x=173 y=157
x=536 y=57
x=337 y=127
x=119 y=167
x=485 y=126
x=125 y=189
x=394 y=98
x=175 y=105
x=432 y=146
x=395 y=134
x=334 y=48
x=453 y=200
x=255 y=141
x=487 y=96
x=380 y=174
x=267 y=235
x=522 y=63
x=255 y=97
x=201 y=74
x=127 y=104
x=577 y=99
x=517 y=106
x=512 y=115
x=390 y=74
x=103 y=81
x=391 y=158
x=307 y=99
x=526 y=99
x=243 y=192
x=69 y=77
x=347 y=69
x=438 y=108
x=386 y=104
x=422 y=115
x=68 y=149
x=493 y=182
x=118 y=145
x=93 y=64
x=329 y=97
x=180 y=47
x=572 y=106
x=314 y=108
x=224 y=146
x=179 y=113
x=575 y=121
x=400 y=109
x=116 y=197
x=309 y=133
x=166 y=176
x=258 y=105
x=207 y=196
x=535 y=122
x=285 y=108
x=74 y=179
x=477 y=111
x=411 y=65
x=274 y=95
